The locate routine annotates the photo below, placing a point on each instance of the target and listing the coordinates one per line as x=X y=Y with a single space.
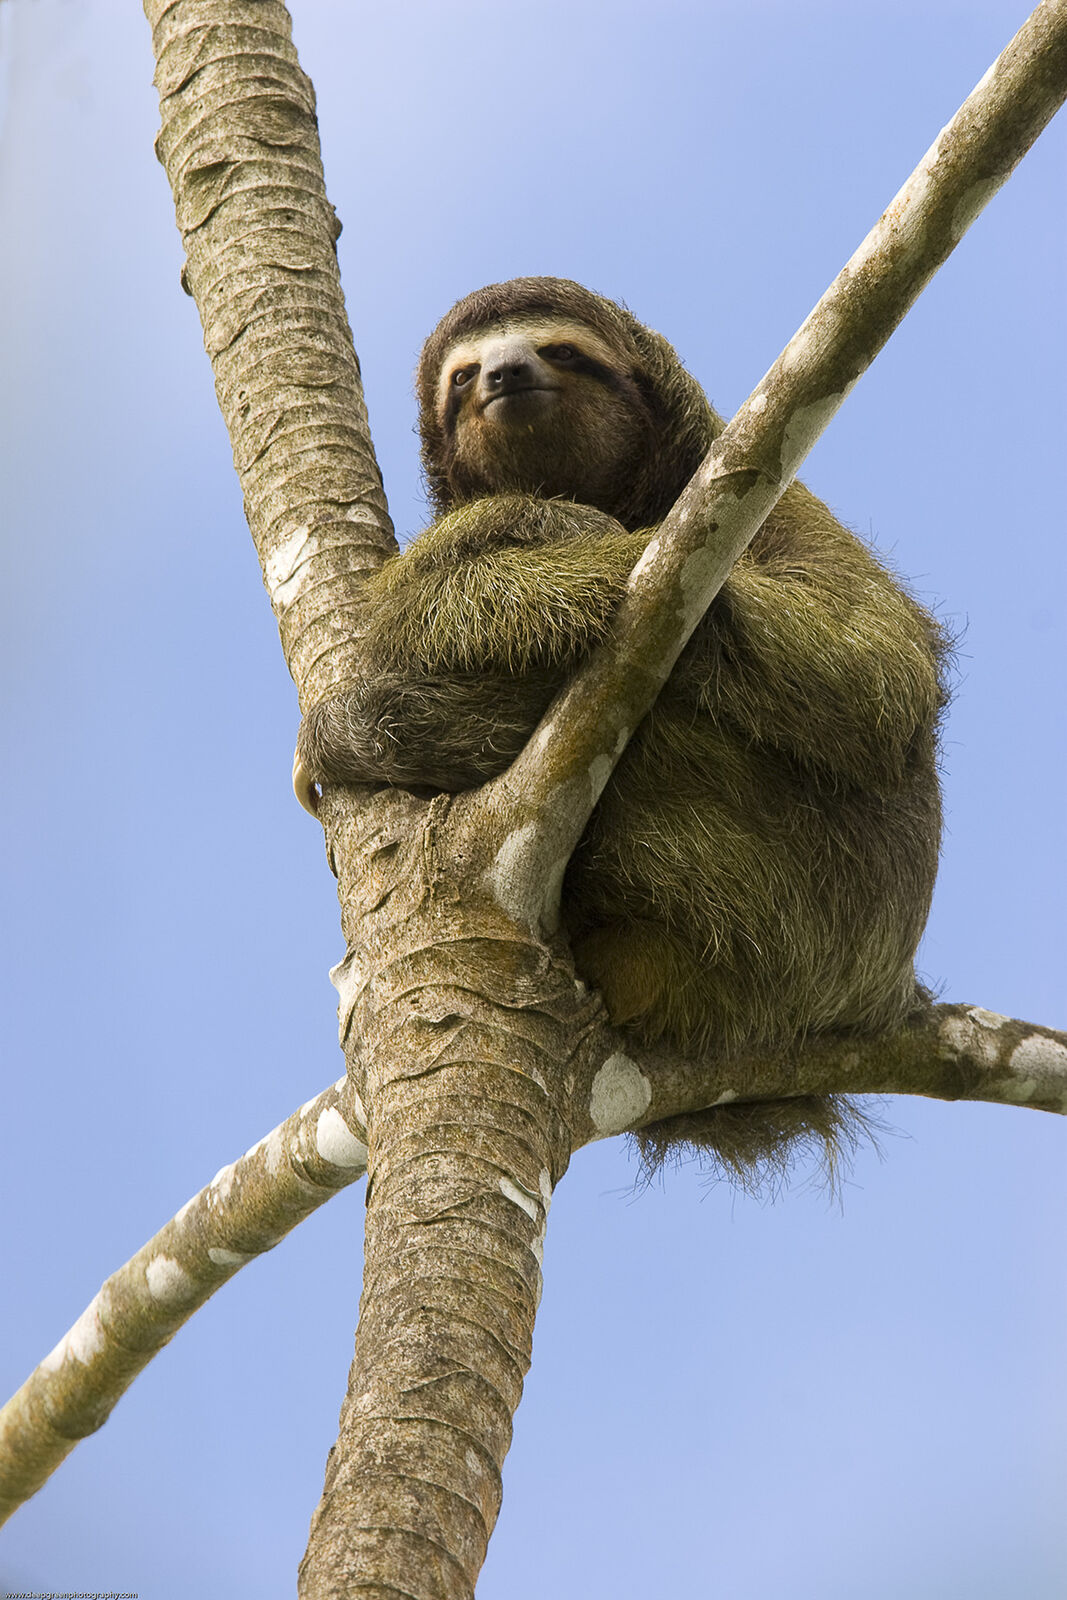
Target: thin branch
x=951 y=1052
x=244 y=1211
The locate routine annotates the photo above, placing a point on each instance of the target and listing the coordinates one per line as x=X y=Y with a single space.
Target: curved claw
x=304 y=787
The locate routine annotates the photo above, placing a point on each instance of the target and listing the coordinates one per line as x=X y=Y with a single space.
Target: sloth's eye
x=463 y=375
x=560 y=352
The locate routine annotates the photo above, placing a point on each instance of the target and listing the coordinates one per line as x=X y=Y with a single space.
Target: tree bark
x=239 y=142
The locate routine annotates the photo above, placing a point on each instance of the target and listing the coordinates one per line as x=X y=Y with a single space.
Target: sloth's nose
x=507 y=367
x=513 y=369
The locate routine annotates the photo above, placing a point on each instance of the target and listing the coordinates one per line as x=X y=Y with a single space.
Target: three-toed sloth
x=759 y=868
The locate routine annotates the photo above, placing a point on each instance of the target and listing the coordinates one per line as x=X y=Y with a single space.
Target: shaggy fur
x=760 y=866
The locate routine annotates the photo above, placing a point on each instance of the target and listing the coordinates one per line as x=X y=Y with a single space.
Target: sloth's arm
x=506 y=584
x=813 y=648
x=469 y=635
x=439 y=732
x=810 y=647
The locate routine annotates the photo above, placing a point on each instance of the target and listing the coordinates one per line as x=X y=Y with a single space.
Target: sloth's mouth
x=519 y=392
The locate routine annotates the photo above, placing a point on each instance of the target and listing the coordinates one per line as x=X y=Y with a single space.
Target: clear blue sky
x=779 y=1402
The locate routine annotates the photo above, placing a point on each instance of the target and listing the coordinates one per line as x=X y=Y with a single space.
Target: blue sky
x=795 y=1401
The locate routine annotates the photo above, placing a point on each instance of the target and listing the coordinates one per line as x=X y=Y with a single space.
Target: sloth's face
x=542 y=406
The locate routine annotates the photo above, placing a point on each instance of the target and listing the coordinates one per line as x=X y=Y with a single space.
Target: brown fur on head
x=616 y=422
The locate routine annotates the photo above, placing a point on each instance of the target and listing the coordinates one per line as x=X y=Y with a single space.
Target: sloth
x=759 y=868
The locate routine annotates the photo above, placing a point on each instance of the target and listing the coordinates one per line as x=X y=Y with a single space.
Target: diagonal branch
x=563 y=770
x=952 y=1052
x=246 y=1209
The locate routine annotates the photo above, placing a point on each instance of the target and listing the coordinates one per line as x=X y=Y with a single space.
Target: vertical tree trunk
x=457 y=1030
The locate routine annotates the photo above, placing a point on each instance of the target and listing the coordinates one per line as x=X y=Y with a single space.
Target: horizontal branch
x=952 y=1052
x=245 y=1210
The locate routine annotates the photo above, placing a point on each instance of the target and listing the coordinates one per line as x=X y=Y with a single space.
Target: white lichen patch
x=168 y=1282
x=530 y=1203
x=222 y=1182
x=1037 y=1059
x=336 y=1143
x=600 y=770
x=970 y=1036
x=275 y=1150
x=513 y=852
x=86 y=1339
x=81 y=1342
x=56 y=1356
x=537 y=1244
x=349 y=979
x=228 y=1258
x=531 y=1072
x=758 y=404
x=648 y=555
x=621 y=1094
x=986 y=1019
x=281 y=568
x=985 y=80
x=524 y=895
x=601 y=767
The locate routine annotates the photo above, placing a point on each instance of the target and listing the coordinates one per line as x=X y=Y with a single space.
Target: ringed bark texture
x=239 y=142
x=458 y=1033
